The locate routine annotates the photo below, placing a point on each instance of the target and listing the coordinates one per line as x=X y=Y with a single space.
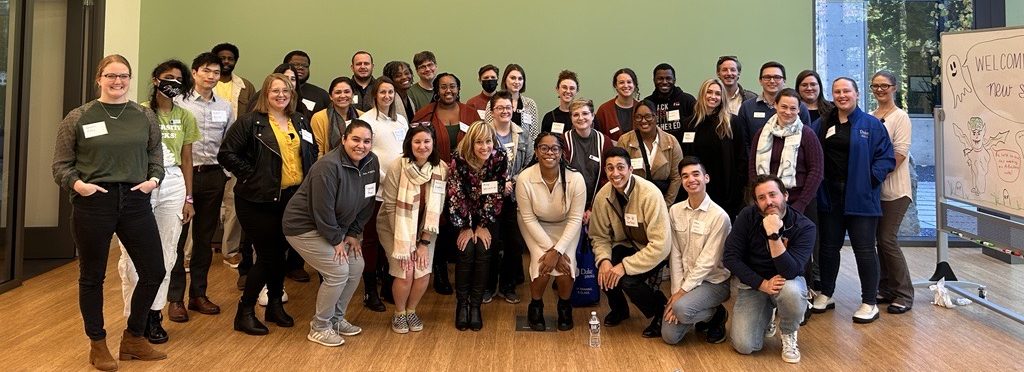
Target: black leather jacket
x=250 y=152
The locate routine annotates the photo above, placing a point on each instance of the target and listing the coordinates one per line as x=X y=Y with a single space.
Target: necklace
x=549 y=183
x=887 y=112
x=104 y=106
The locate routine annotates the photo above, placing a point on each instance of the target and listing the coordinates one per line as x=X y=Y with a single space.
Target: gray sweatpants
x=340 y=278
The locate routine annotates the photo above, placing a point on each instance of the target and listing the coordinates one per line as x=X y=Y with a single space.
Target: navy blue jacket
x=871 y=160
x=746 y=249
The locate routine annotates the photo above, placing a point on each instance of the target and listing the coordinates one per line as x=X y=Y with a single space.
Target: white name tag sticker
x=175 y=121
x=613 y=130
x=636 y=163
x=557 y=127
x=697 y=227
x=355 y=99
x=509 y=146
x=437 y=187
x=688 y=137
x=95 y=129
x=527 y=120
x=595 y=158
x=306 y=135
x=490 y=187
x=673 y=115
x=463 y=127
x=309 y=104
x=370 y=190
x=219 y=116
x=830 y=132
x=481 y=113
x=759 y=115
x=400 y=134
x=631 y=220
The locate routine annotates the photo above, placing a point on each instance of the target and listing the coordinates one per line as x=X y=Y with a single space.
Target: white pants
x=167 y=201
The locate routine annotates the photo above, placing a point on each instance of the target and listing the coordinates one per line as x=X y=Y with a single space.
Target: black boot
x=564 y=315
x=385 y=287
x=245 y=321
x=441 y=283
x=275 y=313
x=371 y=299
x=462 y=315
x=654 y=329
x=476 y=321
x=155 y=332
x=535 y=315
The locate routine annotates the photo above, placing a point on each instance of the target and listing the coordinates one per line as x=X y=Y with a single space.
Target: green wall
x=591 y=38
x=1014 y=13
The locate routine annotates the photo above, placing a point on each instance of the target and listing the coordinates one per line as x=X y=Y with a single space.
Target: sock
x=410 y=310
x=401 y=312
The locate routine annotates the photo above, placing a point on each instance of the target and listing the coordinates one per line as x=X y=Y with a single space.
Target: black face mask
x=169 y=87
x=489 y=85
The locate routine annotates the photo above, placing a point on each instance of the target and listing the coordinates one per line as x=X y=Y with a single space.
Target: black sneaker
x=716 y=326
x=615 y=318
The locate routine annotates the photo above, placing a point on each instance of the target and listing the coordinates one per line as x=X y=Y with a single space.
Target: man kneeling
x=767 y=250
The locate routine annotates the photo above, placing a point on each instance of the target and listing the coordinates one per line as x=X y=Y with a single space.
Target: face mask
x=169 y=87
x=489 y=85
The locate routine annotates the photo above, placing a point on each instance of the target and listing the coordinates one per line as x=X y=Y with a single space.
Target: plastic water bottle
x=595 y=330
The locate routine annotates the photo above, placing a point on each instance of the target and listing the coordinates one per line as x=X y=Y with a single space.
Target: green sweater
x=93 y=147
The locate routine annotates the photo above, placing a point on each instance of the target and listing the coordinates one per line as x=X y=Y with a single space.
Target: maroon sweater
x=810 y=166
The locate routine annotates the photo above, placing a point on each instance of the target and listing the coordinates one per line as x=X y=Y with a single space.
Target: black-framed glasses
x=881 y=86
x=549 y=148
x=643 y=118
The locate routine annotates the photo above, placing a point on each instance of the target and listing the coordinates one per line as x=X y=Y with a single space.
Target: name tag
x=595 y=158
x=437 y=187
x=830 y=132
x=306 y=136
x=94 y=129
x=355 y=99
x=636 y=163
x=481 y=113
x=688 y=137
x=309 y=104
x=557 y=127
x=697 y=227
x=613 y=130
x=673 y=115
x=631 y=220
x=219 y=116
x=527 y=120
x=759 y=115
x=463 y=127
x=370 y=190
x=400 y=134
x=489 y=187
x=175 y=121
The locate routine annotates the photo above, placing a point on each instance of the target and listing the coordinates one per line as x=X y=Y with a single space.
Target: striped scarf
x=407 y=205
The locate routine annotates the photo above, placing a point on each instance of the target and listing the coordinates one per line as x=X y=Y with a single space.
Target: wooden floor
x=41 y=329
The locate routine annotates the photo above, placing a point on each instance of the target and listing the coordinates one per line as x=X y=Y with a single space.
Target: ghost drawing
x=957 y=79
x=977 y=147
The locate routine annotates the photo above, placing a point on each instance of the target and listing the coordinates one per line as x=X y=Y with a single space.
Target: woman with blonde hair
x=710 y=136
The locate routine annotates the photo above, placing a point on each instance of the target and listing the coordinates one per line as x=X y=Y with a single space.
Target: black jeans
x=507 y=266
x=834 y=227
x=649 y=300
x=246 y=250
x=94 y=220
x=262 y=223
x=471 y=271
x=207 y=194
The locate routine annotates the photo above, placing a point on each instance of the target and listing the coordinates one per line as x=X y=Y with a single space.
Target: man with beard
x=311 y=97
x=767 y=252
x=756 y=111
x=362 y=73
x=672 y=104
x=488 y=77
x=728 y=70
x=422 y=92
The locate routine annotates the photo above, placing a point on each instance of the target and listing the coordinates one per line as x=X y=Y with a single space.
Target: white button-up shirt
x=697 y=245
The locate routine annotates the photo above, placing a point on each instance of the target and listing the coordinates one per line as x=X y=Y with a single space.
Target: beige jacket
x=652 y=235
x=664 y=164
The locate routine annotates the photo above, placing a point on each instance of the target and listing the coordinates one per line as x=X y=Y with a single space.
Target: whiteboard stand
x=973 y=291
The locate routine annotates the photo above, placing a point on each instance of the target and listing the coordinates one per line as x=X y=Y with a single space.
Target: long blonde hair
x=478 y=130
x=700 y=111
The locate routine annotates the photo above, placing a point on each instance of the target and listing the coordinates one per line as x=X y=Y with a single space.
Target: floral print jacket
x=468 y=207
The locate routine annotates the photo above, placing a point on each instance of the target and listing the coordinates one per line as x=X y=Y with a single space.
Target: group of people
x=384 y=181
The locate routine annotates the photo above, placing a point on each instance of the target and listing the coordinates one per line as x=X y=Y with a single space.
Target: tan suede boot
x=137 y=347
x=99 y=356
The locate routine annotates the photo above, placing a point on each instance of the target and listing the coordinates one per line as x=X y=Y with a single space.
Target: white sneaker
x=326 y=337
x=344 y=328
x=790 y=350
x=772 y=328
x=822 y=303
x=865 y=314
x=262 y=300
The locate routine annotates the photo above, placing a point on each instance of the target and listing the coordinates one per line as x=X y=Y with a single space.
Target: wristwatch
x=424 y=242
x=774 y=236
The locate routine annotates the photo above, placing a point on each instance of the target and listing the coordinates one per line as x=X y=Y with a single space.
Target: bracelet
x=188 y=199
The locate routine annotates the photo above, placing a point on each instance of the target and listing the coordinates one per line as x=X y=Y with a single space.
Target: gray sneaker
x=414 y=321
x=325 y=337
x=488 y=296
x=344 y=328
x=790 y=351
x=772 y=328
x=400 y=324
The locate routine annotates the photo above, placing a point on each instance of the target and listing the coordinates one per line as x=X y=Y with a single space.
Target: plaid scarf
x=407 y=206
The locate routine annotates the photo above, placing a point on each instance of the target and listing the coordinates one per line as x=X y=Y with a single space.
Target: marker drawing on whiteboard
x=977 y=149
x=957 y=80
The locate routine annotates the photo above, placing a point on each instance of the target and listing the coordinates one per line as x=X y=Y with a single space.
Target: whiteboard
x=983 y=130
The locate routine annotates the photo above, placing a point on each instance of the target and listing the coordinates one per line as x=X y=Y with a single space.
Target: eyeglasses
x=502 y=108
x=549 y=149
x=773 y=77
x=280 y=91
x=881 y=86
x=426 y=66
x=643 y=118
x=113 y=77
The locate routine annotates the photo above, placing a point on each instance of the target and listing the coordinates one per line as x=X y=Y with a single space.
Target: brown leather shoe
x=203 y=305
x=298 y=275
x=240 y=283
x=137 y=347
x=176 y=312
x=99 y=356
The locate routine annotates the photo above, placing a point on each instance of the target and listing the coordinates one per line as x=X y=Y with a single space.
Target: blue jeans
x=834 y=226
x=753 y=310
x=696 y=306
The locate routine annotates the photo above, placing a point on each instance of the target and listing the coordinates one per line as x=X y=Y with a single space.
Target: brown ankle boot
x=99 y=356
x=137 y=347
